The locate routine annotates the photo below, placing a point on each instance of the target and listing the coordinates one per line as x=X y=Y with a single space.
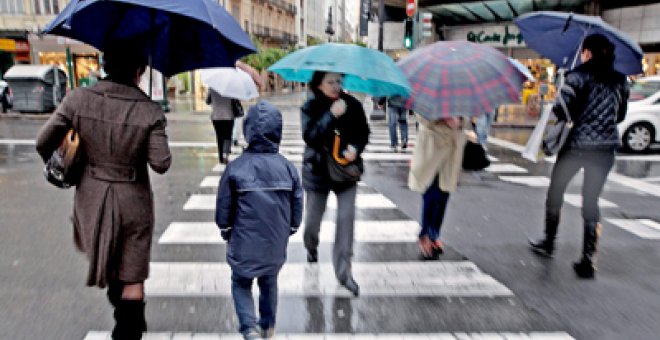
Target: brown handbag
x=63 y=167
x=340 y=169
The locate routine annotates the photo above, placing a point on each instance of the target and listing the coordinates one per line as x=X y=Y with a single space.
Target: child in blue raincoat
x=259 y=205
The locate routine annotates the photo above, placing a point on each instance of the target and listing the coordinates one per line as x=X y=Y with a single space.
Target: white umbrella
x=230 y=82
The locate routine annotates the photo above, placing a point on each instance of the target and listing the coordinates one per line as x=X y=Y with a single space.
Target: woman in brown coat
x=121 y=131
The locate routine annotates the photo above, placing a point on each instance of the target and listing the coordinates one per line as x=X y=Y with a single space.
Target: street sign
x=427 y=24
x=411 y=7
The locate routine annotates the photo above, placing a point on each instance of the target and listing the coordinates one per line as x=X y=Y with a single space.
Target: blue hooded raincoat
x=260 y=198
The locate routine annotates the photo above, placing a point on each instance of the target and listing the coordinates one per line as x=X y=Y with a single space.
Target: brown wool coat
x=121 y=131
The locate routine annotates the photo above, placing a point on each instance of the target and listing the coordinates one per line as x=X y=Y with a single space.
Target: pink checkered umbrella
x=460 y=78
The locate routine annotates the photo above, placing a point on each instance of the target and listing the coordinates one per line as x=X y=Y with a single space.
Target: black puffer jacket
x=597 y=100
x=318 y=125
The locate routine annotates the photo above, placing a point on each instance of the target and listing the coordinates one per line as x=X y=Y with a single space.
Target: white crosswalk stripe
x=365 y=231
x=532 y=181
x=369 y=201
x=96 y=335
x=644 y=228
x=459 y=278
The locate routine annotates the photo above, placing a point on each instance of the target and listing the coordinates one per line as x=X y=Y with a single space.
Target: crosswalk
x=189 y=279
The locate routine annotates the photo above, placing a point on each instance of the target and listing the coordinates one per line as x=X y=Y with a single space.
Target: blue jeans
x=434 y=202
x=482 y=126
x=241 y=292
x=398 y=115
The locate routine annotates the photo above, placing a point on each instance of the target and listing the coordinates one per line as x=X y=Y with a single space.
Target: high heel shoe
x=437 y=247
x=425 y=247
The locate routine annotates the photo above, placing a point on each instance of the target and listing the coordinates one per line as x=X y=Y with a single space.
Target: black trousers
x=596 y=164
x=223 y=130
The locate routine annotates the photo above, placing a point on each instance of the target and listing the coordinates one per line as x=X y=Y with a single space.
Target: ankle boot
x=129 y=320
x=586 y=267
x=546 y=246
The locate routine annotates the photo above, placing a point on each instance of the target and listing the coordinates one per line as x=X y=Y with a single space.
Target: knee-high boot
x=546 y=245
x=586 y=267
x=130 y=322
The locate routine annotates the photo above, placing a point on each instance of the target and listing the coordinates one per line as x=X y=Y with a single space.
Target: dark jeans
x=434 y=204
x=241 y=292
x=596 y=164
x=223 y=131
x=397 y=116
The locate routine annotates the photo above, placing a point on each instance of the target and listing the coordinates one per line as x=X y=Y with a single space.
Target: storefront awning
x=492 y=11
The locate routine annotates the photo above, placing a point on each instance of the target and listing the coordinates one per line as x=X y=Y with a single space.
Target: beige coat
x=121 y=131
x=438 y=151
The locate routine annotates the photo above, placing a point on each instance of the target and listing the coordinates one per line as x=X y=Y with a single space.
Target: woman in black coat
x=331 y=110
x=596 y=98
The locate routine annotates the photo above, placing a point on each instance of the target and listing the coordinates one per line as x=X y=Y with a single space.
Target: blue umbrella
x=523 y=69
x=365 y=70
x=558 y=37
x=178 y=35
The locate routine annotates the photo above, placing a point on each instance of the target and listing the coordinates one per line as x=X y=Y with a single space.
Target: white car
x=641 y=127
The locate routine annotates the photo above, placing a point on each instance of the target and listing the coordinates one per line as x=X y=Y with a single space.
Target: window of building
x=11 y=7
x=46 y=7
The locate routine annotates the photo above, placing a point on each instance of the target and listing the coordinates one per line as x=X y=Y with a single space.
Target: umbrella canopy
x=460 y=78
x=179 y=35
x=230 y=82
x=365 y=70
x=523 y=69
x=558 y=37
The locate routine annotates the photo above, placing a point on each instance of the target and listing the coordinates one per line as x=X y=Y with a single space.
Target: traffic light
x=408 y=34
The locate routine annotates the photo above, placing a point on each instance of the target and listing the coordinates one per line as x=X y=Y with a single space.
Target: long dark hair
x=602 y=51
x=314 y=84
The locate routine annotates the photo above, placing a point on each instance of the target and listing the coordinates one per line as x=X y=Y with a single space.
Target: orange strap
x=335 y=152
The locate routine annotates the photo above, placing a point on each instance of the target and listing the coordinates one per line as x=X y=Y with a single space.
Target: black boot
x=586 y=267
x=546 y=246
x=129 y=320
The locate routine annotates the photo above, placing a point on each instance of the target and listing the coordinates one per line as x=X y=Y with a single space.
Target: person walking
x=397 y=115
x=327 y=111
x=596 y=98
x=223 y=112
x=482 y=126
x=121 y=132
x=259 y=204
x=434 y=172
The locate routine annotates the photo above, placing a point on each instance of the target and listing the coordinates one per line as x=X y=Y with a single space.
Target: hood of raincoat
x=263 y=128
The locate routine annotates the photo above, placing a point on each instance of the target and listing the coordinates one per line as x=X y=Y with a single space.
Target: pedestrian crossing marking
x=442 y=278
x=214 y=181
x=644 y=228
x=362 y=201
x=505 y=167
x=365 y=232
x=576 y=201
x=98 y=335
x=532 y=181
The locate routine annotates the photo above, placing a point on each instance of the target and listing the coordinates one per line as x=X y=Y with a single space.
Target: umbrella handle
x=335 y=152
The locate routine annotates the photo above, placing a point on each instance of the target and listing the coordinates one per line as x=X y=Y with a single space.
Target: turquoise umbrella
x=365 y=70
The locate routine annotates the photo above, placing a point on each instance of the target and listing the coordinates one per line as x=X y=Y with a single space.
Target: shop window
x=11 y=7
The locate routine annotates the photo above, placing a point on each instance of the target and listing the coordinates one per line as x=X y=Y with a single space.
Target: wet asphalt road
x=42 y=293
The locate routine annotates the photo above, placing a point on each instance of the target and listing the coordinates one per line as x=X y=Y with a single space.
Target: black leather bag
x=63 y=168
x=340 y=169
x=474 y=157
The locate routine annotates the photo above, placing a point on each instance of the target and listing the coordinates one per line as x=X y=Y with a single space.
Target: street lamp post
x=379 y=114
